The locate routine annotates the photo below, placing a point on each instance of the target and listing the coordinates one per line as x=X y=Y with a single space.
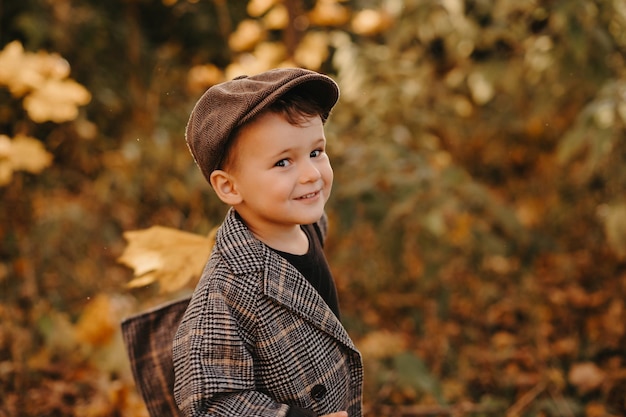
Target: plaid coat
x=258 y=338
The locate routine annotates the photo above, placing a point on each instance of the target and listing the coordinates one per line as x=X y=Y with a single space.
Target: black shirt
x=314 y=267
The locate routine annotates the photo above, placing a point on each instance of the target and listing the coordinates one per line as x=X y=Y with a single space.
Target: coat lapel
x=285 y=284
x=282 y=282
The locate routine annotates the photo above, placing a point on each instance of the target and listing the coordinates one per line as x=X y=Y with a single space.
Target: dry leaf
x=28 y=154
x=6 y=172
x=586 y=376
x=98 y=322
x=269 y=54
x=382 y=344
x=313 y=50
x=370 y=22
x=23 y=153
x=257 y=8
x=200 y=77
x=248 y=34
x=6 y=168
x=329 y=13
x=56 y=100
x=17 y=70
x=24 y=71
x=168 y=256
x=503 y=341
x=277 y=18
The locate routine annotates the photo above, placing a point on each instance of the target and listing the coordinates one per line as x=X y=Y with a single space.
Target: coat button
x=318 y=392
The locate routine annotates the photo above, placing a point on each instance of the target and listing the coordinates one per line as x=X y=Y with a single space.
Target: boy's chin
x=313 y=218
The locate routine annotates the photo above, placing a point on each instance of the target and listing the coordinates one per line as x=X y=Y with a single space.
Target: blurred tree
x=478 y=215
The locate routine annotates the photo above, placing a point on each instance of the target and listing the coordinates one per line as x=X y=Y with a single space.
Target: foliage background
x=478 y=218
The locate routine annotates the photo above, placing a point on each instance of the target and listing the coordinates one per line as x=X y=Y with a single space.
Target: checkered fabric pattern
x=258 y=338
x=148 y=338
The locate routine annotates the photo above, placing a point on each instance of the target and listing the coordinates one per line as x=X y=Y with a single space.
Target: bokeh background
x=478 y=216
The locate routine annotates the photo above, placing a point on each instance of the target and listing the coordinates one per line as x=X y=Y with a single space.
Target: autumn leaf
x=313 y=50
x=268 y=55
x=169 y=257
x=248 y=34
x=329 y=13
x=6 y=169
x=23 y=153
x=256 y=8
x=382 y=344
x=56 y=100
x=23 y=71
x=17 y=70
x=201 y=77
x=277 y=18
x=98 y=323
x=42 y=78
x=28 y=154
x=586 y=376
x=370 y=22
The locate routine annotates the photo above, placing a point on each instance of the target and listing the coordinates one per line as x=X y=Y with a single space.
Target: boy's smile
x=280 y=176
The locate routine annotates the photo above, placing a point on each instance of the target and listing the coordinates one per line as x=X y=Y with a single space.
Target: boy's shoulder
x=241 y=250
x=240 y=262
x=236 y=247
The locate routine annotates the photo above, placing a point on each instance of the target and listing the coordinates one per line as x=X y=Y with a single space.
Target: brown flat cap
x=226 y=106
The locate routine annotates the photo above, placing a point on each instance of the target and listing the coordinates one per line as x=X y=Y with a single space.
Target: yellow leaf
x=28 y=154
x=248 y=34
x=269 y=54
x=257 y=8
x=51 y=65
x=313 y=50
x=370 y=22
x=5 y=147
x=586 y=376
x=382 y=344
x=503 y=341
x=98 y=322
x=168 y=256
x=6 y=172
x=56 y=100
x=142 y=280
x=17 y=71
x=329 y=13
x=277 y=18
x=200 y=77
x=6 y=169
x=24 y=71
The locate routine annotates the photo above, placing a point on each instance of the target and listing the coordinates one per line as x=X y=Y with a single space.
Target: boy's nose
x=310 y=172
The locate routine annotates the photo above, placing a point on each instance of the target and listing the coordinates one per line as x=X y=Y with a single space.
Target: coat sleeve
x=214 y=369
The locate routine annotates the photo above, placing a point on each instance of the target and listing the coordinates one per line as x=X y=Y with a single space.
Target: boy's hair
x=294 y=106
x=225 y=107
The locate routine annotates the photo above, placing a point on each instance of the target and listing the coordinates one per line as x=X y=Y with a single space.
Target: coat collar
x=245 y=254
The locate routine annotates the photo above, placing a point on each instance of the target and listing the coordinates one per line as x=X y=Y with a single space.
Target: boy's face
x=281 y=172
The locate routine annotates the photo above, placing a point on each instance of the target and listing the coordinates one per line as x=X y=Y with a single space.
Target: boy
x=261 y=335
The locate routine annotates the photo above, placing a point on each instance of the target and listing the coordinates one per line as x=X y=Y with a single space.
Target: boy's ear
x=224 y=186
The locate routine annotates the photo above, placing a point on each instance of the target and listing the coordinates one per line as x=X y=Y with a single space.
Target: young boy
x=261 y=335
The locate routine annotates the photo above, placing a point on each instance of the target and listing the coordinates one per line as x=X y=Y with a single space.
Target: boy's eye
x=316 y=153
x=282 y=163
